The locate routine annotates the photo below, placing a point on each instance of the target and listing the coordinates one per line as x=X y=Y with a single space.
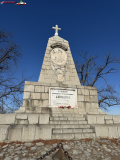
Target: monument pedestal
x=58 y=85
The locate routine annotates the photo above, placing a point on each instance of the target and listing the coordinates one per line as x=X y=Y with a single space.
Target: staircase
x=69 y=124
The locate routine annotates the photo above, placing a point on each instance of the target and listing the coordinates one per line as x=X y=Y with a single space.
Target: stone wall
x=36 y=94
x=47 y=74
x=103 y=119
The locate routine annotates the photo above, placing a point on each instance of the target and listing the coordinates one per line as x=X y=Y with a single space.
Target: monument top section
x=56 y=30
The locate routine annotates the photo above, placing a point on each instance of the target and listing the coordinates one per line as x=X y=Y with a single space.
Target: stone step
x=68 y=122
x=68 y=136
x=67 y=118
x=67 y=125
x=66 y=115
x=71 y=130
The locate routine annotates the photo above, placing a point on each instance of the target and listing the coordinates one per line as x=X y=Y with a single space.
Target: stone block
x=88 y=99
x=33 y=118
x=90 y=87
x=35 y=95
x=119 y=131
x=26 y=95
x=91 y=99
x=87 y=105
x=48 y=67
x=101 y=112
x=44 y=119
x=93 y=92
x=21 y=116
x=46 y=89
x=37 y=102
x=28 y=132
x=91 y=119
x=39 y=88
x=7 y=118
x=44 y=96
x=31 y=83
x=22 y=121
x=109 y=121
x=108 y=117
x=3 y=132
x=100 y=119
x=81 y=91
x=80 y=104
x=38 y=110
x=86 y=92
x=94 y=105
x=113 y=131
x=54 y=84
x=41 y=103
x=29 y=88
x=80 y=98
x=43 y=132
x=21 y=110
x=116 y=119
x=45 y=103
x=28 y=102
x=101 y=131
x=15 y=133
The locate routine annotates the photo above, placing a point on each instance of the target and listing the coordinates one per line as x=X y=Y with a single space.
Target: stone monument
x=58 y=85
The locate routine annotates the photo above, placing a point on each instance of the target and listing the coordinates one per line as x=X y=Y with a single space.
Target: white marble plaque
x=62 y=97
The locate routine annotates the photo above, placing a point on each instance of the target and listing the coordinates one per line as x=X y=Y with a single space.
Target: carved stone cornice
x=59 y=45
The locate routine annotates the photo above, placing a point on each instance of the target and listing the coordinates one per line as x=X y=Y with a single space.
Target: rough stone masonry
x=58 y=85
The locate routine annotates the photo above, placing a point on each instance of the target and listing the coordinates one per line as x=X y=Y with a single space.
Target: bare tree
x=11 y=87
x=90 y=72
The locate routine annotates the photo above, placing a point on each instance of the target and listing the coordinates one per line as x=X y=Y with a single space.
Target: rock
x=28 y=144
x=39 y=144
x=5 y=146
x=1 y=154
x=87 y=153
x=74 y=152
x=33 y=148
x=7 y=158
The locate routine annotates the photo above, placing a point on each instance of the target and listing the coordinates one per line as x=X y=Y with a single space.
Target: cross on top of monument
x=56 y=30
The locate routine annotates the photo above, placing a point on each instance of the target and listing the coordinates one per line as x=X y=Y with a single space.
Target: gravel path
x=86 y=149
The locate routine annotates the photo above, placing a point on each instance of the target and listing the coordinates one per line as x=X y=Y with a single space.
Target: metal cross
x=56 y=30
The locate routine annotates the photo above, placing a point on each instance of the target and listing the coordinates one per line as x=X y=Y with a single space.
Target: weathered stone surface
x=93 y=92
x=100 y=119
x=35 y=95
x=94 y=105
x=33 y=118
x=28 y=133
x=7 y=118
x=22 y=121
x=44 y=119
x=113 y=131
x=109 y=121
x=91 y=119
x=15 y=133
x=3 y=132
x=26 y=95
x=87 y=105
x=80 y=98
x=29 y=88
x=108 y=117
x=21 y=116
x=39 y=88
x=44 y=96
x=101 y=131
x=116 y=119
x=43 y=132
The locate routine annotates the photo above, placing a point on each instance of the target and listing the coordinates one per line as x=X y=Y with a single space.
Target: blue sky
x=89 y=25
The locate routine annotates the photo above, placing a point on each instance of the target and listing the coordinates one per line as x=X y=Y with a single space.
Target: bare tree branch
x=89 y=73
